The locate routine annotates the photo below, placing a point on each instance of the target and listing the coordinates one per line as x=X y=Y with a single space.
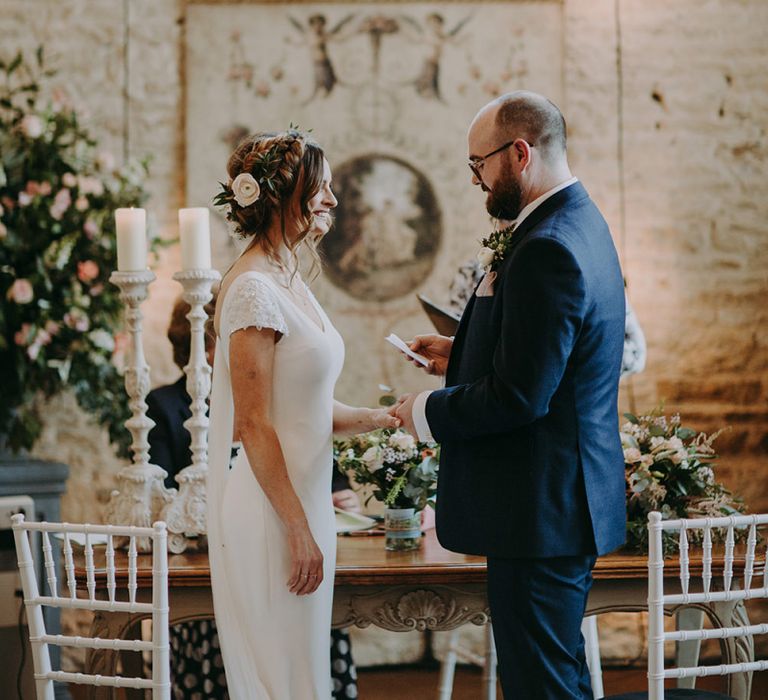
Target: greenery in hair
x=263 y=170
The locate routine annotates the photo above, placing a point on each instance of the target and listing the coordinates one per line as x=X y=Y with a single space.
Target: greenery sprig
x=495 y=246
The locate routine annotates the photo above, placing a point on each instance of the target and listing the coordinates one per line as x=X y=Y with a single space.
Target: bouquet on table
x=402 y=473
x=670 y=468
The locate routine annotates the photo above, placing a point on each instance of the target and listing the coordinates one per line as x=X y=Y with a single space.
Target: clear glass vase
x=402 y=529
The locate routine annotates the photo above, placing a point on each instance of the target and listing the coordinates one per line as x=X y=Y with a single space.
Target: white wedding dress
x=275 y=644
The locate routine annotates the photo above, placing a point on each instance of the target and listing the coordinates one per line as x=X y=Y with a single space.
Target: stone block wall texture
x=672 y=147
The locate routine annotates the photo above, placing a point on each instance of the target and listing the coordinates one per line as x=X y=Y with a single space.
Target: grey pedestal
x=44 y=482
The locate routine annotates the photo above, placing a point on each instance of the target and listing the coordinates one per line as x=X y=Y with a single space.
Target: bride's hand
x=306 y=562
x=384 y=418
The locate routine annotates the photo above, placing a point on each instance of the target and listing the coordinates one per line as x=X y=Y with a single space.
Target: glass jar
x=402 y=529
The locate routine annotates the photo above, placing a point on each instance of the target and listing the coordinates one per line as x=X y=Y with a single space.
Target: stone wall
x=668 y=134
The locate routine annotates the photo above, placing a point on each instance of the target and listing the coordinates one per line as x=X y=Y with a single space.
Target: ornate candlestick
x=186 y=514
x=141 y=495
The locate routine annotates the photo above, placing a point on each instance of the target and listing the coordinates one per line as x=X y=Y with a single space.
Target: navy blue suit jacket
x=531 y=462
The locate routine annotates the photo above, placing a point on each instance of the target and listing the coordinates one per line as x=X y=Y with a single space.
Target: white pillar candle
x=195 y=233
x=131 y=227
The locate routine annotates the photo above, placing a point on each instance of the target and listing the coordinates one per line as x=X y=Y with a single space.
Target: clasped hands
x=437 y=349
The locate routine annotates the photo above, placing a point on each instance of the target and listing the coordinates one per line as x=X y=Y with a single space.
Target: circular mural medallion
x=388 y=228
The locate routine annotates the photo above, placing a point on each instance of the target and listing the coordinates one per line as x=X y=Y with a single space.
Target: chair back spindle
x=69 y=566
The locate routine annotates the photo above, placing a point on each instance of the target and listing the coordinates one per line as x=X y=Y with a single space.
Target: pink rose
x=52 y=327
x=22 y=336
x=81 y=203
x=21 y=291
x=105 y=161
x=68 y=180
x=43 y=337
x=32 y=188
x=33 y=350
x=45 y=188
x=63 y=197
x=91 y=228
x=87 y=271
x=90 y=185
x=77 y=320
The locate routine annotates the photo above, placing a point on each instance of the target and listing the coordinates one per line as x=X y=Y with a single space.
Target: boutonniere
x=495 y=247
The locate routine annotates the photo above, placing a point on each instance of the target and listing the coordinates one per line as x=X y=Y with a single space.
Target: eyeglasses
x=476 y=164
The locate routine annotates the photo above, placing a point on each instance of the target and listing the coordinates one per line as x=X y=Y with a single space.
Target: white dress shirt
x=419 y=412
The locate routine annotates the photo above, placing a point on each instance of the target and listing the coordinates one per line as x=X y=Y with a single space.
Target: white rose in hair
x=485 y=256
x=245 y=189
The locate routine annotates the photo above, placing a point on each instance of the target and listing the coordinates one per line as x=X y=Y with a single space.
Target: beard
x=504 y=199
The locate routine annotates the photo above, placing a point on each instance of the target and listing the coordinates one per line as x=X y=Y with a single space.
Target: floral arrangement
x=59 y=315
x=670 y=469
x=402 y=471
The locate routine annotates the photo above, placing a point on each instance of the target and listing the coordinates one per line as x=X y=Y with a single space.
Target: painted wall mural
x=388 y=89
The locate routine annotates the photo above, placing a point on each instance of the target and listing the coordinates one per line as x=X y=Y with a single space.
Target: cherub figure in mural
x=376 y=27
x=435 y=37
x=317 y=37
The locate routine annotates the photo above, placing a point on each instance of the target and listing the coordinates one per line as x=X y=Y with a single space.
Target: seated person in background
x=197 y=668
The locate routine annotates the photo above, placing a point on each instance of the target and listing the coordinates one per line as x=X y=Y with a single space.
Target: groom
x=531 y=470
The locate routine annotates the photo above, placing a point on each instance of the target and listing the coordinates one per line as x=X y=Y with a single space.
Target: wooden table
x=428 y=589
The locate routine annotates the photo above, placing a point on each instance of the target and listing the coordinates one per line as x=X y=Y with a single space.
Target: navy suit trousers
x=537 y=606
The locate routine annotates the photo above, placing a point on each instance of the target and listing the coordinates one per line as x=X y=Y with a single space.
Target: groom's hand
x=403 y=410
x=436 y=348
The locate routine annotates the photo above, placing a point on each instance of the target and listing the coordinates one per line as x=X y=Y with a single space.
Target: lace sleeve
x=254 y=304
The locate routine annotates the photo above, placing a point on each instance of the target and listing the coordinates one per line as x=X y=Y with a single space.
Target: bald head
x=529 y=116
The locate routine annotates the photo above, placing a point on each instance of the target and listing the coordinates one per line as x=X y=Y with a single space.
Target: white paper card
x=399 y=343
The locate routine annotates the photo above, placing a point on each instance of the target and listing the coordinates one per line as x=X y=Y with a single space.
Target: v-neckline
x=321 y=326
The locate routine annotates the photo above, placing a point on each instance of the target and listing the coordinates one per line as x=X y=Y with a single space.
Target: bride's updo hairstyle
x=273 y=176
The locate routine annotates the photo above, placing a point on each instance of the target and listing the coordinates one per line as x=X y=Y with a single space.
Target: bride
x=270 y=519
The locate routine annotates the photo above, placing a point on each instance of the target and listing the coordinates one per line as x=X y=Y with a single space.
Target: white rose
x=402 y=441
x=245 y=189
x=102 y=339
x=373 y=459
x=658 y=443
x=485 y=256
x=32 y=126
x=632 y=455
x=68 y=180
